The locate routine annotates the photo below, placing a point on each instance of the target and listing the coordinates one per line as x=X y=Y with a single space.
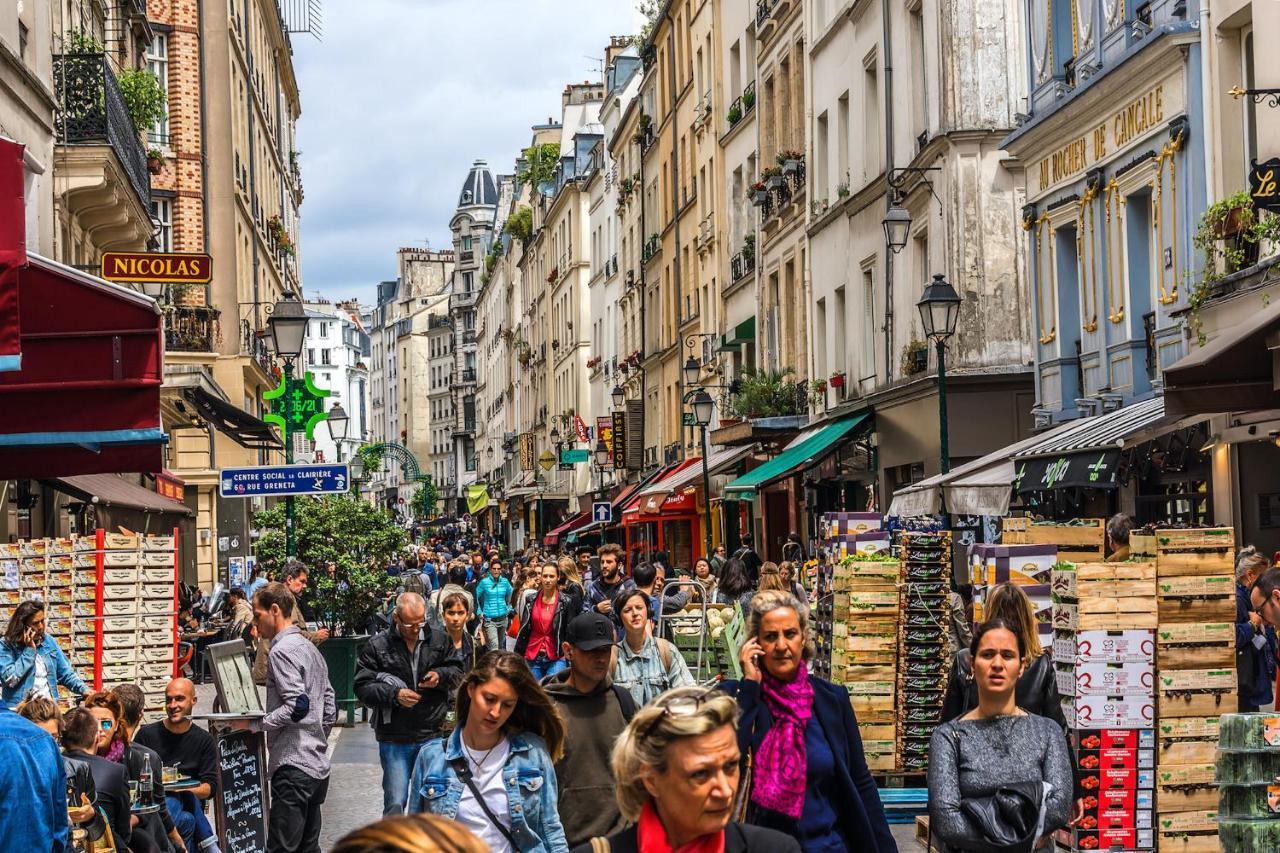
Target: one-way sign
x=602 y=511
x=284 y=480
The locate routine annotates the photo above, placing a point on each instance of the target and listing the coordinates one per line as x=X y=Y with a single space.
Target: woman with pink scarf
x=809 y=774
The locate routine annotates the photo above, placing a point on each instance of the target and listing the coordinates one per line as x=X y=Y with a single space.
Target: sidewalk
x=355 y=787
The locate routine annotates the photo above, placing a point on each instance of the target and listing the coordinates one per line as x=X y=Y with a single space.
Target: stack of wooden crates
x=923 y=643
x=1196 y=680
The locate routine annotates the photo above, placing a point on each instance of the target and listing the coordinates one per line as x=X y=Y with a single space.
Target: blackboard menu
x=241 y=796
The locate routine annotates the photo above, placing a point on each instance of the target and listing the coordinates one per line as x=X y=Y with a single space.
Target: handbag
x=742 y=799
x=513 y=627
x=1010 y=820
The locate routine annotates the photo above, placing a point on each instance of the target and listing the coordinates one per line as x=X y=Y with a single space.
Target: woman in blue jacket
x=30 y=660
x=1255 y=639
x=809 y=774
x=495 y=774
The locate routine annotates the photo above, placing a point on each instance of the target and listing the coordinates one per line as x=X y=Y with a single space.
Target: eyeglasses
x=105 y=725
x=685 y=705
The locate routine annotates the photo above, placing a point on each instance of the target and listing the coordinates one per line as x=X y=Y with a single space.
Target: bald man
x=179 y=741
x=407 y=675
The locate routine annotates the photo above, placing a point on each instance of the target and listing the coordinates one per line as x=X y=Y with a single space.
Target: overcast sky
x=402 y=95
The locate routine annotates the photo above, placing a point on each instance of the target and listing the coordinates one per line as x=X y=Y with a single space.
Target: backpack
x=627 y=701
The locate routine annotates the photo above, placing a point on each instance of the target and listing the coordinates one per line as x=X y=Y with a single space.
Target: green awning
x=795 y=459
x=743 y=333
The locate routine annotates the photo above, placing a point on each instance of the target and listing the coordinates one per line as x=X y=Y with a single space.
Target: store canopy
x=1234 y=372
x=553 y=537
x=743 y=333
x=111 y=491
x=242 y=427
x=523 y=485
x=1087 y=454
x=661 y=495
x=13 y=250
x=796 y=458
x=691 y=475
x=981 y=487
x=87 y=397
x=477 y=498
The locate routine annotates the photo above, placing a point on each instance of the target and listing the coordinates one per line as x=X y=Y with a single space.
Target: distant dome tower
x=479 y=190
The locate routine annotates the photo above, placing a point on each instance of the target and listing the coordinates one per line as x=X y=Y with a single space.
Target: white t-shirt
x=488 y=779
x=40 y=684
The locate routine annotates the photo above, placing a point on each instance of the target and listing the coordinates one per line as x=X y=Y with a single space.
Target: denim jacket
x=643 y=673
x=435 y=788
x=18 y=671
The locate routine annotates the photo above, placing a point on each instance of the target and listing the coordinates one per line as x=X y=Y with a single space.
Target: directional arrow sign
x=602 y=511
x=284 y=480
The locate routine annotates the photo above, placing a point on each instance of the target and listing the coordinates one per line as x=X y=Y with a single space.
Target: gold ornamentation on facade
x=1168 y=154
x=1044 y=262
x=1086 y=254
x=1113 y=205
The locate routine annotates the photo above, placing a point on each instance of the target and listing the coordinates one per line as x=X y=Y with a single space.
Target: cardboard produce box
x=1106 y=679
x=1109 y=712
x=1104 y=646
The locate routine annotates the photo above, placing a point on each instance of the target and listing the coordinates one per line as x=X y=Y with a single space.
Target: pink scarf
x=115 y=752
x=781 y=764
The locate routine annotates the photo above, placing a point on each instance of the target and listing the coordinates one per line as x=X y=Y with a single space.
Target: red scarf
x=651 y=836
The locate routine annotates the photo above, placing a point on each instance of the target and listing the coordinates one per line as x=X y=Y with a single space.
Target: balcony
x=104 y=180
x=742 y=265
x=253 y=343
x=464 y=428
x=652 y=247
x=463 y=299
x=742 y=105
x=468 y=336
x=191 y=328
x=467 y=376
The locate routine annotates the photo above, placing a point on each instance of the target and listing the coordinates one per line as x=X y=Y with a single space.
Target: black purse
x=1008 y=820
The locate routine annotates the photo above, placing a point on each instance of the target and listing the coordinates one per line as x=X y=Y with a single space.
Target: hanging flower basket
x=837 y=380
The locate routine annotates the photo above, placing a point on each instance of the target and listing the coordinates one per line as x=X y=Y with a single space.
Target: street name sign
x=569 y=457
x=284 y=480
x=157 y=267
x=602 y=511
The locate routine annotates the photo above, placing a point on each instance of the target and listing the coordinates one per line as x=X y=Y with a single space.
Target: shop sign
x=686 y=419
x=157 y=267
x=170 y=487
x=1092 y=470
x=1264 y=185
x=1121 y=130
x=619 y=444
x=569 y=457
x=527 y=461
x=581 y=428
x=604 y=429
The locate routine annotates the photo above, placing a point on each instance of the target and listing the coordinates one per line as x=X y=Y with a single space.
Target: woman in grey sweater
x=996 y=745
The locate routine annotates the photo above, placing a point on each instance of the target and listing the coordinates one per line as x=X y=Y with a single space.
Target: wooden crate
x=1188 y=842
x=1190 y=727
x=873 y=709
x=1206 y=656
x=1196 y=539
x=1014 y=531
x=1181 y=704
x=1196 y=610
x=1186 y=799
x=1142 y=545
x=1202 y=751
x=877 y=731
x=1196 y=586
x=1184 y=563
x=1175 y=633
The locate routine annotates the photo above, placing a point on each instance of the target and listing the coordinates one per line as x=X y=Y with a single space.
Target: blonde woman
x=571 y=582
x=677 y=771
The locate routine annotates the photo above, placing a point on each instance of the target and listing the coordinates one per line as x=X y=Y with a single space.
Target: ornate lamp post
x=939 y=310
x=288 y=324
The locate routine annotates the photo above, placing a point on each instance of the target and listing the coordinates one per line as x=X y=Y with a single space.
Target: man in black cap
x=595 y=712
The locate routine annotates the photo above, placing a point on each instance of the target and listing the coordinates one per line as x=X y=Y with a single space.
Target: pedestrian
x=455 y=581
x=810 y=776
x=645 y=665
x=80 y=735
x=463 y=642
x=595 y=712
x=770 y=578
x=81 y=794
x=647 y=578
x=601 y=592
x=412 y=833
x=735 y=586
x=750 y=559
x=677 y=771
x=427 y=568
x=406 y=676
x=792 y=549
x=143 y=762
x=998 y=748
x=33 y=786
x=296 y=577
x=493 y=598
x=241 y=618
x=257 y=580
x=181 y=743
x=1255 y=640
x=31 y=663
x=1037 y=686
x=787 y=571
x=411 y=577
x=1264 y=596
x=704 y=575
x=571 y=583
x=585 y=553
x=545 y=614
x=300 y=713
x=1119 y=526
x=719 y=557
x=495 y=774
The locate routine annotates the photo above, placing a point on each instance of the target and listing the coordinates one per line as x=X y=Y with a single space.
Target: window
x=842 y=140
x=162 y=212
x=324 y=330
x=324 y=356
x=466 y=244
x=158 y=64
x=840 y=321
x=868 y=321
x=871 y=112
x=820 y=154
x=311 y=356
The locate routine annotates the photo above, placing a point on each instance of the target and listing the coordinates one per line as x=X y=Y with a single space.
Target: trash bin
x=340 y=655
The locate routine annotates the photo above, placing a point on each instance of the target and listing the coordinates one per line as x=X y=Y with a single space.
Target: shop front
x=658 y=520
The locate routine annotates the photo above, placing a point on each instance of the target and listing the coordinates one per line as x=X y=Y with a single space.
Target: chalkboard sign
x=241 y=797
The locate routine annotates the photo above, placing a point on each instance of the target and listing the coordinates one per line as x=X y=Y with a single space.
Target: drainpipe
x=1208 y=78
x=677 y=203
x=888 y=200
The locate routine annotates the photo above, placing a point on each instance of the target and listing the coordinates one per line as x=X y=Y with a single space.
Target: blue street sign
x=284 y=480
x=602 y=511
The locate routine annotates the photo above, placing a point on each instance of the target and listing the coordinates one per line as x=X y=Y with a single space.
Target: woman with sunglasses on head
x=809 y=774
x=998 y=748
x=645 y=665
x=677 y=767
x=495 y=774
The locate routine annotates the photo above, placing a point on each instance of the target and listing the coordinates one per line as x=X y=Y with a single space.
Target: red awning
x=13 y=250
x=553 y=538
x=87 y=397
x=647 y=506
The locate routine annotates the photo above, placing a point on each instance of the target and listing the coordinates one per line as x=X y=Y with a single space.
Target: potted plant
x=735 y=114
x=773 y=178
x=155 y=160
x=766 y=394
x=748 y=98
x=759 y=193
x=915 y=357
x=837 y=379
x=790 y=161
x=818 y=386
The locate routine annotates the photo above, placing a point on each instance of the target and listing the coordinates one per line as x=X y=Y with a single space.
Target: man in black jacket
x=110 y=780
x=407 y=675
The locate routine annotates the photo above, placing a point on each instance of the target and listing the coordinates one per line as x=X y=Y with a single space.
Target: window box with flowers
x=555 y=273
x=791 y=161
x=837 y=379
x=773 y=179
x=759 y=193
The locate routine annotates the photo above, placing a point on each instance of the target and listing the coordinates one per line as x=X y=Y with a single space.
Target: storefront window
x=677 y=540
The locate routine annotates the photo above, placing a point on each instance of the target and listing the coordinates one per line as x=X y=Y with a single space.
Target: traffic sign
x=602 y=511
x=284 y=480
x=546 y=460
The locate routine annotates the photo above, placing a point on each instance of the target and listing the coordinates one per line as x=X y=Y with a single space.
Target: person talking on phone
x=406 y=675
x=31 y=664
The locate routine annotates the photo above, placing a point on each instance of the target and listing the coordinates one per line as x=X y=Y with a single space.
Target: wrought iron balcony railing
x=91 y=111
x=191 y=328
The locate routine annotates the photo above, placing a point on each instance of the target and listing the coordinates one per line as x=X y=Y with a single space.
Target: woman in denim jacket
x=495 y=774
x=30 y=660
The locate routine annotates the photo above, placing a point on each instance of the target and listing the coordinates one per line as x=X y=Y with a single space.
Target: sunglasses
x=678 y=706
x=105 y=725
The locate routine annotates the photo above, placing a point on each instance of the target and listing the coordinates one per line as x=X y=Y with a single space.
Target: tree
x=424 y=500
x=520 y=223
x=538 y=164
x=359 y=538
x=768 y=394
x=144 y=98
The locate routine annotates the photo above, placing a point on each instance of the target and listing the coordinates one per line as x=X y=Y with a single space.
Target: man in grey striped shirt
x=300 y=713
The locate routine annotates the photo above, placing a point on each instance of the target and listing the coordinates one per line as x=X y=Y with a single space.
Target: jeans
x=397 y=763
x=189 y=818
x=495 y=633
x=294 y=824
x=543 y=667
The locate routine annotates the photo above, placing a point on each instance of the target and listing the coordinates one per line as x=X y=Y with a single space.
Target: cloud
x=402 y=96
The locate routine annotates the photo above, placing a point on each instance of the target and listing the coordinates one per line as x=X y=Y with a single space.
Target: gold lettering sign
x=169 y=267
x=1122 y=129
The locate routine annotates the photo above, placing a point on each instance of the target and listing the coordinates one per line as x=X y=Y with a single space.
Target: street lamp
x=896 y=222
x=703 y=409
x=288 y=324
x=357 y=472
x=692 y=372
x=555 y=435
x=602 y=460
x=939 y=310
x=619 y=396
x=338 y=421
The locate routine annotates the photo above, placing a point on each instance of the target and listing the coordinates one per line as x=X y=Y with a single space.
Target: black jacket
x=560 y=620
x=1037 y=690
x=738 y=838
x=80 y=781
x=387 y=655
x=112 y=784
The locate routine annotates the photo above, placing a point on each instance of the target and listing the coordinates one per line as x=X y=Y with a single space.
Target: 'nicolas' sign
x=157 y=267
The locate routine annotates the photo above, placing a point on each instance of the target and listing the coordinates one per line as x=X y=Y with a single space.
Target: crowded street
x=647 y=426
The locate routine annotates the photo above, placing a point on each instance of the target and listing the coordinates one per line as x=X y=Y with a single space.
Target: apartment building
x=336 y=352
